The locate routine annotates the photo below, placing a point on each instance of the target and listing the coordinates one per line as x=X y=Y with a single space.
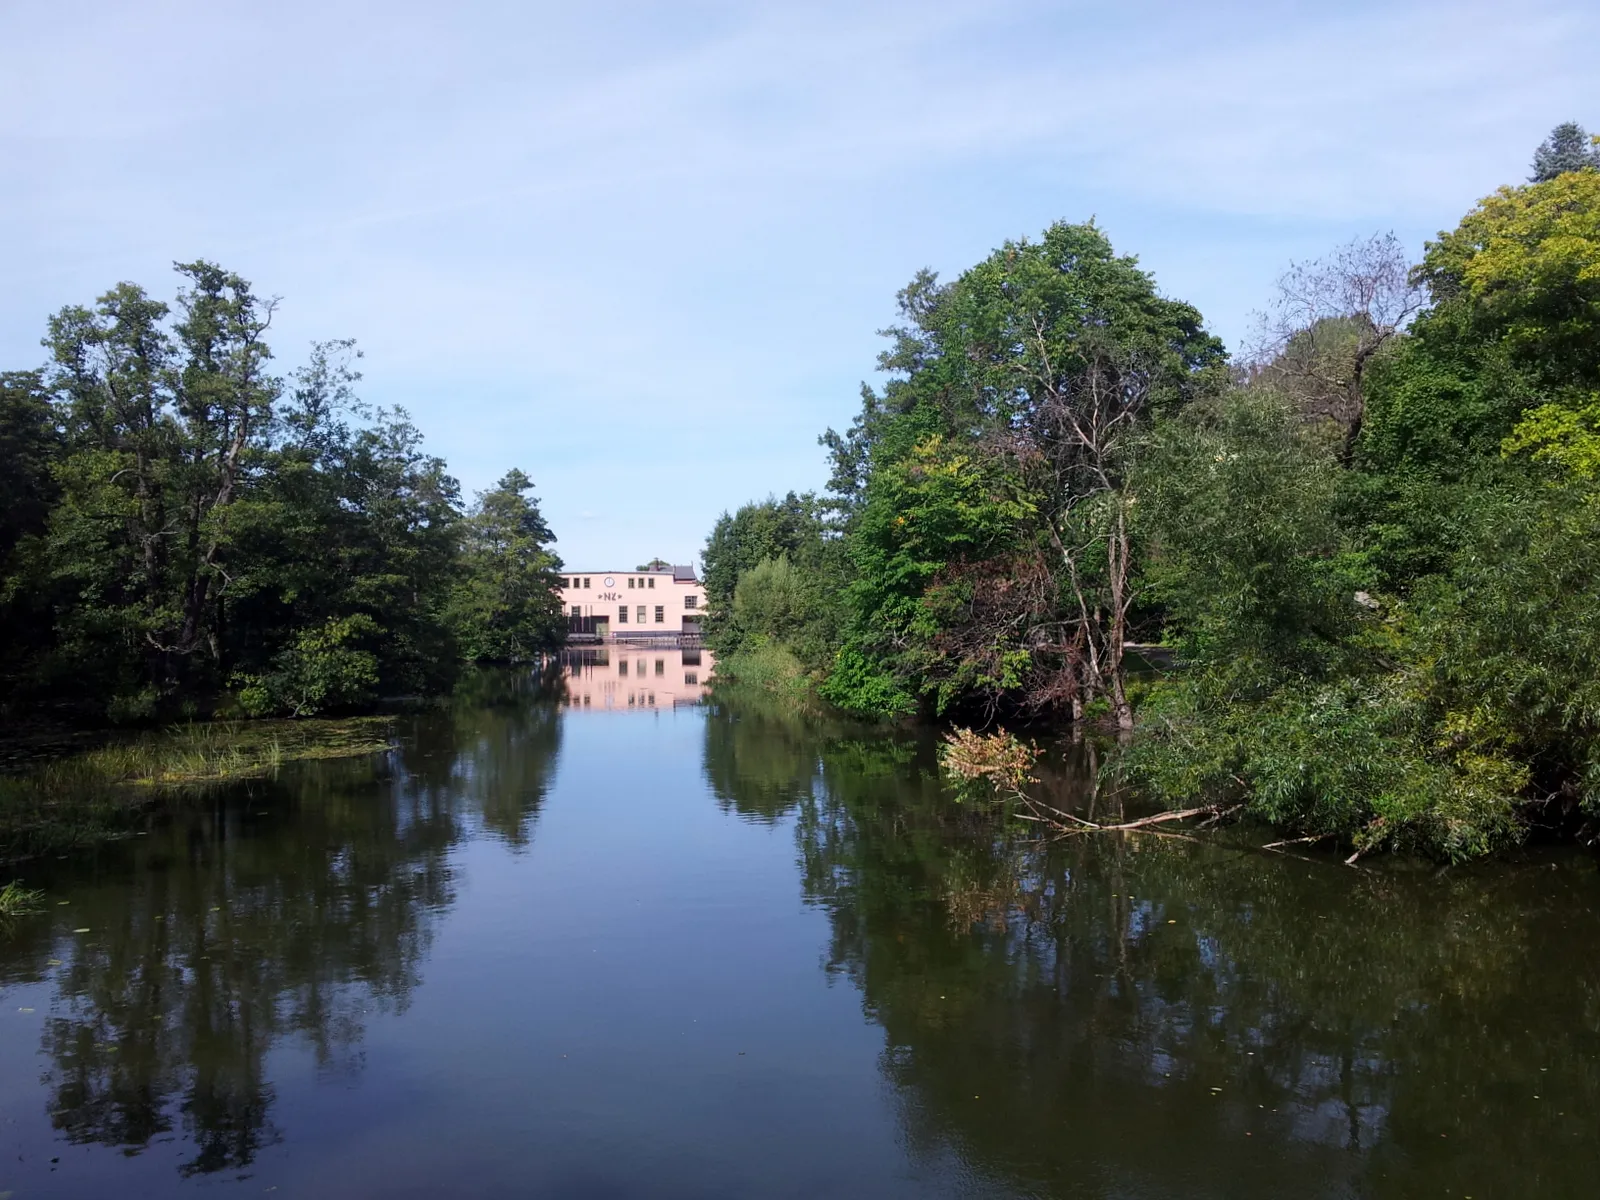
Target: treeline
x=1372 y=541
x=183 y=531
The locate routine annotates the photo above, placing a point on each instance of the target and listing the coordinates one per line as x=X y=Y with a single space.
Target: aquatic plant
x=17 y=901
x=91 y=794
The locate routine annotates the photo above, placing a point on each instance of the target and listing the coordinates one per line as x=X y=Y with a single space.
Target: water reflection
x=1117 y=1016
x=1143 y=1015
x=620 y=676
x=282 y=911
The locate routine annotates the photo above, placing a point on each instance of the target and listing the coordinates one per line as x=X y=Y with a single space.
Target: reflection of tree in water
x=1062 y=1013
x=496 y=757
x=762 y=757
x=285 y=910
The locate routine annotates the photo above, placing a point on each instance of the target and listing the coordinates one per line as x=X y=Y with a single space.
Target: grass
x=92 y=794
x=768 y=667
x=18 y=901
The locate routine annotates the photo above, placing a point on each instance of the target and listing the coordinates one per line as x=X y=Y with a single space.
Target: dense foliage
x=180 y=528
x=1372 y=545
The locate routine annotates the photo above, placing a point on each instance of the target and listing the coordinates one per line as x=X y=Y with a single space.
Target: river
x=725 y=949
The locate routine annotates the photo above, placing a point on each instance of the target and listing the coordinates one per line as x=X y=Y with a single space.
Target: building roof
x=683 y=574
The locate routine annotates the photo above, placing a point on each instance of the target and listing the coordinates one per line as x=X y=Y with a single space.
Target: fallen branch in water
x=1214 y=812
x=1299 y=841
x=1002 y=765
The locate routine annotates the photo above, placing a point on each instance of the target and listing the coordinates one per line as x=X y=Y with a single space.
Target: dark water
x=726 y=952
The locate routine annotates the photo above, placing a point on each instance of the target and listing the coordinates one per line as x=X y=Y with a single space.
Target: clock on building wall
x=610 y=582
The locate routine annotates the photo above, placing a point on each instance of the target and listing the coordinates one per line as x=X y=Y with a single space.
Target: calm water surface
x=547 y=948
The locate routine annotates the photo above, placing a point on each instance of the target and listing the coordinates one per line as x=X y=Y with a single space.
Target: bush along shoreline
x=1370 y=541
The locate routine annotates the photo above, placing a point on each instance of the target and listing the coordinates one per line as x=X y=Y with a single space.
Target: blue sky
x=640 y=249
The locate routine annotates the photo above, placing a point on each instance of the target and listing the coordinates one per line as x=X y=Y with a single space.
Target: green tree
x=178 y=521
x=771 y=599
x=1035 y=369
x=1399 y=654
x=756 y=531
x=508 y=606
x=30 y=450
x=1568 y=148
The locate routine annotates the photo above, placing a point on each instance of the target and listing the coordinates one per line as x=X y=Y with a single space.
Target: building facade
x=633 y=604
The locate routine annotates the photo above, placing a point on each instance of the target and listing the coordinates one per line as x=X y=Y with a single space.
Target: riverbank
x=54 y=796
x=768 y=667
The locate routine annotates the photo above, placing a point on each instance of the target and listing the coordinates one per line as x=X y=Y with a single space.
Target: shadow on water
x=279 y=910
x=1124 y=1014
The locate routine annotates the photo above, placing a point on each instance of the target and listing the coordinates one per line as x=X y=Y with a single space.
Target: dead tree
x=1079 y=438
x=1328 y=320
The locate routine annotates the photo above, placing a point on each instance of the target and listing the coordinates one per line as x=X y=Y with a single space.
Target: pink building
x=630 y=604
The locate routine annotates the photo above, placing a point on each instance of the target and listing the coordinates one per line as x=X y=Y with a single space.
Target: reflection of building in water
x=618 y=677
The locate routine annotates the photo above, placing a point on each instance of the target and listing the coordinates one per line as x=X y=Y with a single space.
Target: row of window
x=622 y=612
x=642 y=581
x=641 y=667
x=635 y=699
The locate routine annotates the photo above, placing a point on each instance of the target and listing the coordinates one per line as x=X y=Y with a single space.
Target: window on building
x=692 y=678
x=661 y=614
x=641 y=614
x=622 y=668
x=652 y=581
x=622 y=614
x=630 y=580
x=577 y=610
x=691 y=601
x=661 y=666
x=585 y=581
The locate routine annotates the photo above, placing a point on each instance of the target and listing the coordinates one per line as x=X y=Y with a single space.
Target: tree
x=1328 y=321
x=30 y=451
x=771 y=600
x=1524 y=269
x=177 y=522
x=760 y=530
x=508 y=606
x=1034 y=369
x=1568 y=148
x=655 y=564
x=30 y=443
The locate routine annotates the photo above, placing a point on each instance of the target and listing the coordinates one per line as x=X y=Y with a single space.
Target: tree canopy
x=182 y=529
x=1369 y=548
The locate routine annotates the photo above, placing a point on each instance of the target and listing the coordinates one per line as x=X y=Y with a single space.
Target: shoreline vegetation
x=59 y=800
x=185 y=533
x=1369 y=542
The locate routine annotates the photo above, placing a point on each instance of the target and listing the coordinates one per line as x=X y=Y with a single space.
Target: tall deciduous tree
x=1033 y=370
